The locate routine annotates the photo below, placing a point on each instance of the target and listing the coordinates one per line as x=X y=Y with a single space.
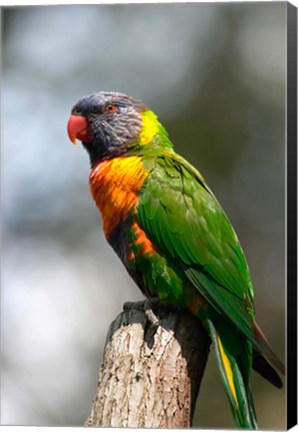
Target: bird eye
x=110 y=108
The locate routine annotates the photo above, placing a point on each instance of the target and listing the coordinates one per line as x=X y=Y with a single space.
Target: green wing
x=184 y=220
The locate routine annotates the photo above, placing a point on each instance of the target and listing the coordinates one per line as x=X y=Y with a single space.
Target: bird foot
x=133 y=305
x=147 y=306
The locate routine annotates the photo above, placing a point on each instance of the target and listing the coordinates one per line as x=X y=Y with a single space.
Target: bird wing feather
x=183 y=219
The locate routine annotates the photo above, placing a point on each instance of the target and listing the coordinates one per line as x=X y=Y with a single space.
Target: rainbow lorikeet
x=173 y=236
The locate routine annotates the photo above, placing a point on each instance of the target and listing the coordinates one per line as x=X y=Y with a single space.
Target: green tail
x=234 y=366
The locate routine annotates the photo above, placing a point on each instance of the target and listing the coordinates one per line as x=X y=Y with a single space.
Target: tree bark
x=153 y=364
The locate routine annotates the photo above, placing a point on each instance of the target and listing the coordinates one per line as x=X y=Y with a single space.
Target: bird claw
x=149 y=305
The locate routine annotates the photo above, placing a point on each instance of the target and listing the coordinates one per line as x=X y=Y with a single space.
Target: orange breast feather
x=115 y=185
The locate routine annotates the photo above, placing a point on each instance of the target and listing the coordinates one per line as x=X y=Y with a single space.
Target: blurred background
x=215 y=74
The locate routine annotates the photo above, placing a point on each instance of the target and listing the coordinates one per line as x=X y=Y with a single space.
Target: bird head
x=110 y=124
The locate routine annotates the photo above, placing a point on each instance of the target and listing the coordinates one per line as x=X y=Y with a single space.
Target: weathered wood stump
x=153 y=364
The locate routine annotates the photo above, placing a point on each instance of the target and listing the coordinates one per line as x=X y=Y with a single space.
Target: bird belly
x=154 y=273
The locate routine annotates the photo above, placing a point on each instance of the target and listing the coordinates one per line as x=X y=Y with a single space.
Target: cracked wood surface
x=152 y=368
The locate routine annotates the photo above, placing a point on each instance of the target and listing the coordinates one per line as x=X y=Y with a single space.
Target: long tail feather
x=261 y=365
x=235 y=382
x=267 y=350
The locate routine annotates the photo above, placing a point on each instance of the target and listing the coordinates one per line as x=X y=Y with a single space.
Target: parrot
x=173 y=237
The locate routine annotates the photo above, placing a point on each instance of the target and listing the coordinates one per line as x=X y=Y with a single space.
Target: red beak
x=77 y=127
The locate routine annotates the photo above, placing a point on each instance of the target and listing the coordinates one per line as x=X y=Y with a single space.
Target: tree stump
x=153 y=364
